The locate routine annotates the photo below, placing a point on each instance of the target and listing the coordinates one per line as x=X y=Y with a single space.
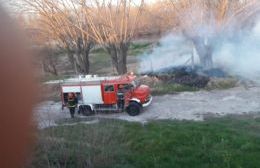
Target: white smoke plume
x=171 y=50
x=239 y=55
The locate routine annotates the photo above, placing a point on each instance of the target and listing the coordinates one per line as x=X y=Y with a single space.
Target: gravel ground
x=183 y=106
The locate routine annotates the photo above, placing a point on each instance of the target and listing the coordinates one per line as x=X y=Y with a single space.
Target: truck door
x=109 y=94
x=127 y=93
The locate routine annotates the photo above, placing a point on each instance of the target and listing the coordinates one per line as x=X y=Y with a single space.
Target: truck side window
x=109 y=88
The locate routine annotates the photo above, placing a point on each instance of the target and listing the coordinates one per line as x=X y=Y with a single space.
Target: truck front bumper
x=148 y=102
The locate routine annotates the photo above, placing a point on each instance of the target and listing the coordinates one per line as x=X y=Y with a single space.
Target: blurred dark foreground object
x=17 y=95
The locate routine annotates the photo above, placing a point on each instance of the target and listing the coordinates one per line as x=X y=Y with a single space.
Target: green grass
x=135 y=46
x=160 y=89
x=135 y=49
x=225 y=142
x=98 y=60
x=98 y=51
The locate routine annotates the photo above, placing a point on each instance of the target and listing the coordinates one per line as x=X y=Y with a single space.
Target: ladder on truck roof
x=81 y=79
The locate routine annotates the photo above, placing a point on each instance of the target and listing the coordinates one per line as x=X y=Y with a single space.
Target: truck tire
x=86 y=111
x=133 y=109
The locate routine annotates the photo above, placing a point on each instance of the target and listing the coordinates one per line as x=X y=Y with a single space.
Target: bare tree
x=64 y=23
x=204 y=22
x=114 y=24
x=157 y=19
x=49 y=60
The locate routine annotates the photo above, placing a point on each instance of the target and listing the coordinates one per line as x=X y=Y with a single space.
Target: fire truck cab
x=96 y=94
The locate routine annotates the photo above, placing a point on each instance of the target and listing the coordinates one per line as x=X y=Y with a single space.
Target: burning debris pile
x=186 y=75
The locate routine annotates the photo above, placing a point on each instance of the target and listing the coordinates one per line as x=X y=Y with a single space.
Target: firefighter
x=72 y=103
x=121 y=97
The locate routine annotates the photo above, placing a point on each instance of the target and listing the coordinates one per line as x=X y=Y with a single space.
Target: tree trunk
x=54 y=69
x=82 y=62
x=50 y=68
x=205 y=51
x=83 y=56
x=49 y=61
x=118 y=53
x=72 y=60
x=111 y=49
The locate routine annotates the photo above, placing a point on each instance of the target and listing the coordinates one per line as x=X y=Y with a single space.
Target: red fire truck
x=96 y=94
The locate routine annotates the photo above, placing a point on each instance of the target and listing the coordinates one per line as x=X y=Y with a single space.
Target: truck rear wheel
x=86 y=110
x=133 y=109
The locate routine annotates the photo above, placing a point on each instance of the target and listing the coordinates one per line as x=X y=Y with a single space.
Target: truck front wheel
x=133 y=109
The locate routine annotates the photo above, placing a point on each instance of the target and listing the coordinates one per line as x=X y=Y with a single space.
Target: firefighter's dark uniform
x=121 y=98
x=72 y=104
